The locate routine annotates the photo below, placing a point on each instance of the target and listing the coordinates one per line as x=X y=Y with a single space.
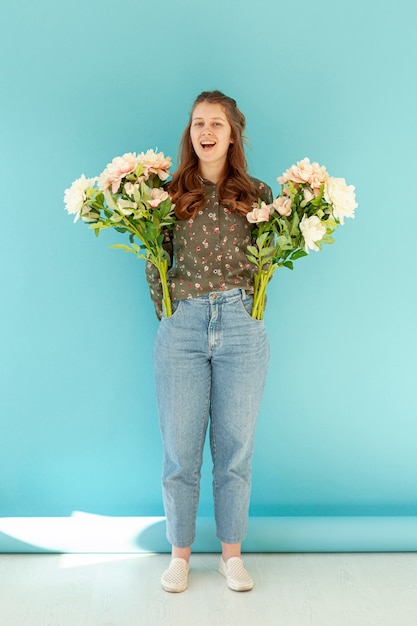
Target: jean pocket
x=176 y=307
x=247 y=305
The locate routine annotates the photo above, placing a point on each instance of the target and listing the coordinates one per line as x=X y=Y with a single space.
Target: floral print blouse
x=208 y=251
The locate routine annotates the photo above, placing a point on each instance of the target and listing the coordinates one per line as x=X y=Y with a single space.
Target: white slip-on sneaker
x=237 y=578
x=175 y=578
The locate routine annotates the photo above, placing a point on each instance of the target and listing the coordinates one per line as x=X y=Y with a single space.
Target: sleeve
x=265 y=193
x=153 y=279
x=263 y=190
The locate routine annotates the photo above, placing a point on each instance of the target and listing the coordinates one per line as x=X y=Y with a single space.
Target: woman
x=211 y=356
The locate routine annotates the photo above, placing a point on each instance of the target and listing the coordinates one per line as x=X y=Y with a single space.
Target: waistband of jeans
x=221 y=297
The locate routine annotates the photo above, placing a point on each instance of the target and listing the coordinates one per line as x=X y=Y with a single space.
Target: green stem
x=160 y=263
x=261 y=281
x=162 y=267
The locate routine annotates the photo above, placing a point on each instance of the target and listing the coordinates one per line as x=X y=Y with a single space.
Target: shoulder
x=263 y=190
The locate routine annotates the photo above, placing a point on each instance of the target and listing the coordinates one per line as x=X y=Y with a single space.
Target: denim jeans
x=211 y=359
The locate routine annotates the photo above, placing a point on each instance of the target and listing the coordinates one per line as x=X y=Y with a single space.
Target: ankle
x=230 y=550
x=181 y=553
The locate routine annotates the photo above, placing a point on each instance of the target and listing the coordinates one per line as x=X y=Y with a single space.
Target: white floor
x=290 y=590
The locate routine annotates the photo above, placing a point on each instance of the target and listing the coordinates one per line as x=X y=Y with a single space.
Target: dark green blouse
x=208 y=251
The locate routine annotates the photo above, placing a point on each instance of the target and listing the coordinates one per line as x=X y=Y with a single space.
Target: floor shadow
x=153 y=538
x=11 y=545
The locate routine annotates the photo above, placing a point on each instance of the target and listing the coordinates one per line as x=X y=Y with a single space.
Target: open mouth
x=207 y=145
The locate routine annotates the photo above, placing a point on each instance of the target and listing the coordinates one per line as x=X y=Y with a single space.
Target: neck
x=211 y=172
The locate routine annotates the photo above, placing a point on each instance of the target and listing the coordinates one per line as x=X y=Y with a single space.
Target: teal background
x=82 y=82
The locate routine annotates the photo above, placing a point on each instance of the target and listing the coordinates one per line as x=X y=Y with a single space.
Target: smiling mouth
x=207 y=145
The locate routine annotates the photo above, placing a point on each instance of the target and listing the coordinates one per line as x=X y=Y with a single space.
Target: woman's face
x=211 y=136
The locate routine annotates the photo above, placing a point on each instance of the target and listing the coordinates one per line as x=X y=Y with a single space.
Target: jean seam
x=203 y=433
x=214 y=458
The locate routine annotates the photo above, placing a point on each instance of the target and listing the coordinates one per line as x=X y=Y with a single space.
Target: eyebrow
x=216 y=117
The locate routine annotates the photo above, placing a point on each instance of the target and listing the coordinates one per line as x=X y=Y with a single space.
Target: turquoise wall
x=82 y=82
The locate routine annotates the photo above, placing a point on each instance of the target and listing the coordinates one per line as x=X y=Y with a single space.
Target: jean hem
x=180 y=544
x=231 y=541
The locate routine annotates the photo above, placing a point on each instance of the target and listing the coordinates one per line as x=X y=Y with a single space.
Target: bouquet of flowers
x=129 y=196
x=304 y=215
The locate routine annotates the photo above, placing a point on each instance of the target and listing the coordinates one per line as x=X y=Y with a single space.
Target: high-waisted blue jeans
x=211 y=359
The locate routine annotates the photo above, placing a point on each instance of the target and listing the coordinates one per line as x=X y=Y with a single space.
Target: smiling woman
x=211 y=136
x=211 y=341
x=212 y=148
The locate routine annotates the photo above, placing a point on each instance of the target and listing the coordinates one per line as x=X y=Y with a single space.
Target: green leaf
x=298 y=254
x=151 y=232
x=252 y=259
x=328 y=239
x=294 y=224
x=137 y=197
x=288 y=264
x=285 y=242
x=261 y=240
x=165 y=207
x=252 y=250
x=122 y=246
x=266 y=252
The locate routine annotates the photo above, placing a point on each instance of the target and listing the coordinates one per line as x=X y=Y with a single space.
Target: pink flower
x=155 y=163
x=259 y=214
x=116 y=170
x=305 y=172
x=283 y=206
x=158 y=195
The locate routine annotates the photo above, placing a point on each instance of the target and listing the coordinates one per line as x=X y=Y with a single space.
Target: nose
x=206 y=130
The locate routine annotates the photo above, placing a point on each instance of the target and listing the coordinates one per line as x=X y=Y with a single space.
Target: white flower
x=75 y=196
x=313 y=231
x=116 y=170
x=130 y=188
x=341 y=196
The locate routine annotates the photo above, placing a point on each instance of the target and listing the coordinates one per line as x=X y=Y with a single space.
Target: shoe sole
x=174 y=589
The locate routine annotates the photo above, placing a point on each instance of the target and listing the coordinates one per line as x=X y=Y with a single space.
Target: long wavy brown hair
x=234 y=189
